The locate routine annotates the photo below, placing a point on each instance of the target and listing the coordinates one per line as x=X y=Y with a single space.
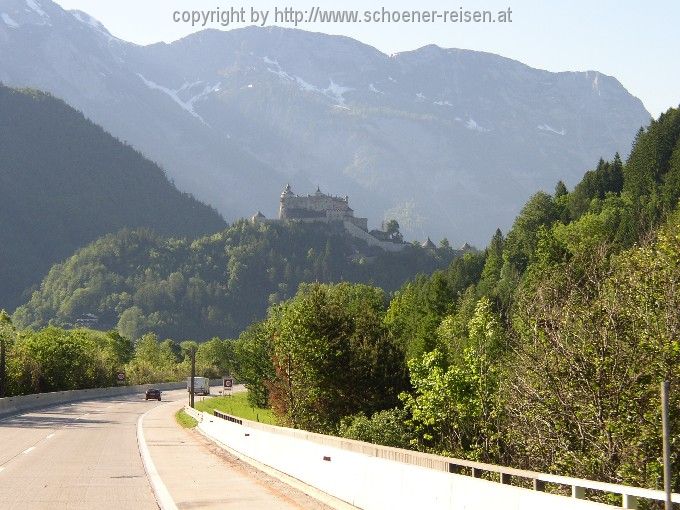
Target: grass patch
x=186 y=421
x=237 y=405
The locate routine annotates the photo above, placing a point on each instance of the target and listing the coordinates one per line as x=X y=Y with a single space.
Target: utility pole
x=193 y=375
x=666 y=432
x=2 y=365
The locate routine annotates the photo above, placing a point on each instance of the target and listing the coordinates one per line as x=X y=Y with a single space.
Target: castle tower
x=286 y=195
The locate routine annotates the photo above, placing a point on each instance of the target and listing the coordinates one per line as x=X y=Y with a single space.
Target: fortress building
x=323 y=208
x=318 y=206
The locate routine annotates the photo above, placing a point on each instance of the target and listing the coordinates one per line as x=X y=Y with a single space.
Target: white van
x=201 y=385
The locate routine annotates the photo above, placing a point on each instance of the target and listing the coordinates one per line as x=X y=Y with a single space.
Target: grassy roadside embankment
x=185 y=420
x=237 y=405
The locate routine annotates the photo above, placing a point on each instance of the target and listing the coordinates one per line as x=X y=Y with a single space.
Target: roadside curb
x=160 y=491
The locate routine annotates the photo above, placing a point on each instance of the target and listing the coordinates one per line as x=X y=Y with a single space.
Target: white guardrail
x=370 y=476
x=21 y=404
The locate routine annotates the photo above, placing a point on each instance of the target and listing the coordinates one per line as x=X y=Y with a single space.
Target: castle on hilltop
x=317 y=206
x=323 y=208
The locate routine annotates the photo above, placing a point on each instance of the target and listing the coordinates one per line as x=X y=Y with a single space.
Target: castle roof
x=259 y=216
x=428 y=244
x=287 y=191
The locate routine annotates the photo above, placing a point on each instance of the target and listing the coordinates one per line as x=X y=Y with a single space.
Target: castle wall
x=325 y=209
x=370 y=240
x=292 y=205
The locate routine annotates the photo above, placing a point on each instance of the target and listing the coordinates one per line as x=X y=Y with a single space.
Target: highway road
x=79 y=455
x=85 y=455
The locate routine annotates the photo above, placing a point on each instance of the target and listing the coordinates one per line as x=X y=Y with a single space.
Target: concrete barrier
x=21 y=404
x=370 y=477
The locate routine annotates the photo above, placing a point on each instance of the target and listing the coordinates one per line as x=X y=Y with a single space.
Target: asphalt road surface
x=85 y=455
x=79 y=455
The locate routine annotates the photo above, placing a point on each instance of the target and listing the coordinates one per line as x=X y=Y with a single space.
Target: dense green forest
x=543 y=352
x=139 y=282
x=64 y=182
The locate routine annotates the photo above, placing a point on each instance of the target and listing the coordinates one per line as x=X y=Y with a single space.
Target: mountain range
x=449 y=142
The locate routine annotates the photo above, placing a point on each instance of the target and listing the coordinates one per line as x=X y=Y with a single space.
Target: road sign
x=228 y=384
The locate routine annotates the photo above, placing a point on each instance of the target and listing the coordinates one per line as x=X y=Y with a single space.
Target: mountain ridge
x=448 y=141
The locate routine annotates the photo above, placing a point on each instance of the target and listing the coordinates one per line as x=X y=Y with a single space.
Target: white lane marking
x=160 y=491
x=50 y=436
x=29 y=450
x=2 y=468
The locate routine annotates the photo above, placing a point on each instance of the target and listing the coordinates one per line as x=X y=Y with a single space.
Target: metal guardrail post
x=630 y=502
x=539 y=485
x=666 y=436
x=578 y=492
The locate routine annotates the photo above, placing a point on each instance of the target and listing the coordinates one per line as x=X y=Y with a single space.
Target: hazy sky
x=637 y=42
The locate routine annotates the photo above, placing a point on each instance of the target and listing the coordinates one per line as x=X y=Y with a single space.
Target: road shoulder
x=199 y=474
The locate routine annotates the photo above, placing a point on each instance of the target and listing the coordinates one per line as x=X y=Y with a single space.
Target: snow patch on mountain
x=596 y=85
x=274 y=67
x=372 y=88
x=337 y=91
x=333 y=91
x=548 y=129
x=174 y=94
x=88 y=20
x=9 y=21
x=34 y=6
x=304 y=85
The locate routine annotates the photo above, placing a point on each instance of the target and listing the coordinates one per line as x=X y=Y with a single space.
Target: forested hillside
x=65 y=182
x=217 y=285
x=544 y=352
